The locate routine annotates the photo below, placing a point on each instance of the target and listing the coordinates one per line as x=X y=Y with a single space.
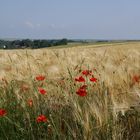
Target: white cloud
x=29 y=24
x=55 y=27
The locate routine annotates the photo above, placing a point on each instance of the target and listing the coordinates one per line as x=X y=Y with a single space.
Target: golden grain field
x=109 y=111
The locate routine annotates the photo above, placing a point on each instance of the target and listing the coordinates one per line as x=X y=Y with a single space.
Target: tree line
x=33 y=44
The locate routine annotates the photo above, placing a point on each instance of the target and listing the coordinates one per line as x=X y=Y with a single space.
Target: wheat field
x=109 y=111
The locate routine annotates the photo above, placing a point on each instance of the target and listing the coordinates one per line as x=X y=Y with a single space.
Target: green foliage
x=34 y=44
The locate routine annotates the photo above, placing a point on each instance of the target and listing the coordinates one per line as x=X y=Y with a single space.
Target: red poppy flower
x=83 y=87
x=136 y=79
x=93 y=79
x=80 y=79
x=81 y=92
x=30 y=102
x=42 y=91
x=41 y=118
x=87 y=72
x=40 y=78
x=2 y=112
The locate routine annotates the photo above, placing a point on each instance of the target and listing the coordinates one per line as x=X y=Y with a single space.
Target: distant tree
x=36 y=44
x=26 y=43
x=44 y=43
x=64 y=41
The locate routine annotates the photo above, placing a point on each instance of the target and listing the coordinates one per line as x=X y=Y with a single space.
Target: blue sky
x=75 y=19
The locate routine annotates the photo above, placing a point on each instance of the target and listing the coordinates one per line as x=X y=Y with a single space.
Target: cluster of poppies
x=40 y=118
x=40 y=89
x=86 y=74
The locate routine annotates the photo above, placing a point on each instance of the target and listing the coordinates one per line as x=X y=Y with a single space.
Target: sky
x=72 y=19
